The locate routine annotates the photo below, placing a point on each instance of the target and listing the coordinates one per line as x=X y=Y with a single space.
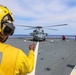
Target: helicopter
x=38 y=32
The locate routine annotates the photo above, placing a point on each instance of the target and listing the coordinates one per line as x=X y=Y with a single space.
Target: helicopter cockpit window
x=34 y=31
x=37 y=32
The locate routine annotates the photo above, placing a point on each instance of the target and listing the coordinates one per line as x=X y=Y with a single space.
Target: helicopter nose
x=40 y=36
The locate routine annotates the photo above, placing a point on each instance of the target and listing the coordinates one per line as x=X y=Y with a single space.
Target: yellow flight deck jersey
x=14 y=62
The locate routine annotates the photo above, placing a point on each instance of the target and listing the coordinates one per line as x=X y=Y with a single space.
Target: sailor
x=63 y=38
x=13 y=61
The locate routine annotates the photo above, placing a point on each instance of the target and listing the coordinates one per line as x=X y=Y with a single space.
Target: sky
x=43 y=13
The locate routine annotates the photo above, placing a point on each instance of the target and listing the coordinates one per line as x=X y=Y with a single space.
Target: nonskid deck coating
x=54 y=58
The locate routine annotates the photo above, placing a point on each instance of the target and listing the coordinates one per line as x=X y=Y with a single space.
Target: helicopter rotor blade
x=52 y=29
x=25 y=26
x=29 y=28
x=57 y=25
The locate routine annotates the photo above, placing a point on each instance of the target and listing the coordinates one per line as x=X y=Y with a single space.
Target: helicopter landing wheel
x=43 y=39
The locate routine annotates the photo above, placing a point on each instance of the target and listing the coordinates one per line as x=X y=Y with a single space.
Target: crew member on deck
x=63 y=38
x=13 y=61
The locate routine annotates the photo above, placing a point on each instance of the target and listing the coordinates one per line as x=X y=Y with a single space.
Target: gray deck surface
x=57 y=58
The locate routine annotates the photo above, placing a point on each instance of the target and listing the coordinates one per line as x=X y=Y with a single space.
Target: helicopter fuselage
x=39 y=35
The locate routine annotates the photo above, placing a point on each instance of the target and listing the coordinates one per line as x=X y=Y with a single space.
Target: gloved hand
x=32 y=46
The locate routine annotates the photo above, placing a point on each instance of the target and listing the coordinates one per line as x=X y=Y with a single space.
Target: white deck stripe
x=73 y=71
x=36 y=54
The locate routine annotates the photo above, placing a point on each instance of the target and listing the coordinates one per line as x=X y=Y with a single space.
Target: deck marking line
x=73 y=72
x=36 y=54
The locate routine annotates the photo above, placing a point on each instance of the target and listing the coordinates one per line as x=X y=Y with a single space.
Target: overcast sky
x=43 y=13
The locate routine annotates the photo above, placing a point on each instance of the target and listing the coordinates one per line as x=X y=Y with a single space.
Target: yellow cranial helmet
x=3 y=12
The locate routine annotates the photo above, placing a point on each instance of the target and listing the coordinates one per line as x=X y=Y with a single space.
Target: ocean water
x=49 y=36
